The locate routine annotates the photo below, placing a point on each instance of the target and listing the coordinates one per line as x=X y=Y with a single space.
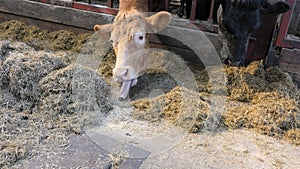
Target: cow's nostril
x=124 y=74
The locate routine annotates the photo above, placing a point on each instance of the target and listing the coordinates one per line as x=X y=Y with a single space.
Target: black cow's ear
x=278 y=8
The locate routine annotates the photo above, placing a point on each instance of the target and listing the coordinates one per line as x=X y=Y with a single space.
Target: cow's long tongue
x=125 y=89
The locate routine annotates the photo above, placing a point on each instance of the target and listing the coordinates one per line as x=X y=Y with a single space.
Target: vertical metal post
x=167 y=4
x=89 y=1
x=194 y=10
x=149 y=5
x=211 y=12
x=110 y=3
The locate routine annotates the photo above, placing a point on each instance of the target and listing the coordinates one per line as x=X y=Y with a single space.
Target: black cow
x=237 y=19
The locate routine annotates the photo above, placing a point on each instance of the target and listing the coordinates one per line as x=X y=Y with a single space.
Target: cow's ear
x=160 y=20
x=278 y=8
x=104 y=30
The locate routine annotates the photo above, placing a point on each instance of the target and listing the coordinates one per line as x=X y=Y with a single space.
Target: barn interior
x=43 y=122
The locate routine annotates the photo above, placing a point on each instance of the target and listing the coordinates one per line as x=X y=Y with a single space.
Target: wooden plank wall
x=289 y=61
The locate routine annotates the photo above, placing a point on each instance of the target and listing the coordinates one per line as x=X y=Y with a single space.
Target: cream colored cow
x=129 y=36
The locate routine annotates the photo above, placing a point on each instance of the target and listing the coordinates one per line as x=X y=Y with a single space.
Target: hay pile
x=42 y=39
x=265 y=100
x=268 y=114
x=38 y=107
x=180 y=106
x=244 y=82
x=273 y=101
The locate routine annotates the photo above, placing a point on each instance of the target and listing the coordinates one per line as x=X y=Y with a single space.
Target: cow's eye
x=139 y=39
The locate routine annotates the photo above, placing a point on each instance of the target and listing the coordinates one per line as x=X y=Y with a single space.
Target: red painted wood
x=281 y=40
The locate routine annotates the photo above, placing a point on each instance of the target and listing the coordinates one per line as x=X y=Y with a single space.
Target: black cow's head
x=238 y=19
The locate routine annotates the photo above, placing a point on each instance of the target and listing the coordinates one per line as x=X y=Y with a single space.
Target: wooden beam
x=42 y=24
x=54 y=13
x=291 y=56
x=289 y=62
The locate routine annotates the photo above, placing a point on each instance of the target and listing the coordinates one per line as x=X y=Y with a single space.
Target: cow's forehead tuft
x=128 y=16
x=128 y=25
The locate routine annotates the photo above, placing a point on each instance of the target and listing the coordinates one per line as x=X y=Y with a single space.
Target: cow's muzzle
x=122 y=75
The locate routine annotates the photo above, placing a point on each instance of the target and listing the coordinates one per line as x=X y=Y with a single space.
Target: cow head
x=129 y=37
x=237 y=20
